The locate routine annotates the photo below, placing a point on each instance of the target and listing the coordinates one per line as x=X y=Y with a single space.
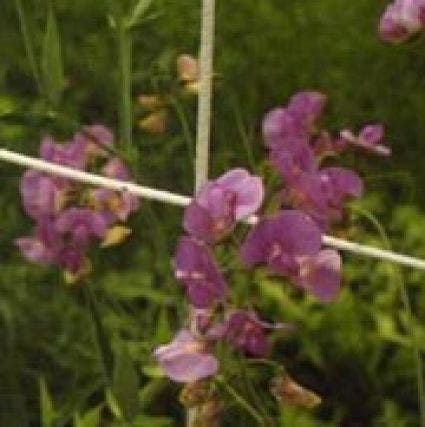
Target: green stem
x=29 y=48
x=102 y=339
x=240 y=400
x=408 y=310
x=187 y=134
x=125 y=62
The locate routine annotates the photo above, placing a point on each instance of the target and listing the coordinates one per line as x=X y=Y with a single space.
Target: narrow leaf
x=138 y=12
x=47 y=409
x=51 y=63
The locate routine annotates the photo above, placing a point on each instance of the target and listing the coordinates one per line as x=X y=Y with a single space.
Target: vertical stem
x=206 y=55
x=125 y=43
x=29 y=48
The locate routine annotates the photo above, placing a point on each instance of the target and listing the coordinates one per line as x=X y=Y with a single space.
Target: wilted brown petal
x=289 y=392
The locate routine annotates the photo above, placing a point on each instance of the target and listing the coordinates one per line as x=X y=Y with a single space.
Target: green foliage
x=72 y=358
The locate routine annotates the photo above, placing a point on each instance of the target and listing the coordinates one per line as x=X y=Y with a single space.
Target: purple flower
x=247 y=333
x=320 y=274
x=370 y=138
x=186 y=358
x=71 y=154
x=293 y=161
x=195 y=268
x=401 y=20
x=322 y=195
x=42 y=195
x=221 y=203
x=112 y=204
x=116 y=168
x=71 y=258
x=279 y=240
x=81 y=225
x=295 y=123
x=307 y=108
x=45 y=246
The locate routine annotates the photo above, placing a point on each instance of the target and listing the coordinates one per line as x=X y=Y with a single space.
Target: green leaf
x=89 y=419
x=51 y=62
x=147 y=420
x=125 y=384
x=138 y=12
x=163 y=330
x=48 y=414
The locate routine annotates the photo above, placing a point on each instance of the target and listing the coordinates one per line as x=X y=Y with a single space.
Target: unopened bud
x=155 y=123
x=115 y=236
x=151 y=102
x=194 y=394
x=288 y=392
x=187 y=68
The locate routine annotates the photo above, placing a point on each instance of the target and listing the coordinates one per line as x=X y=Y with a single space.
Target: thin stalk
x=240 y=400
x=408 y=311
x=125 y=47
x=29 y=48
x=184 y=123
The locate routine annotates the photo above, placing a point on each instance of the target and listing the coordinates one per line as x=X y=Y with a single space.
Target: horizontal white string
x=180 y=200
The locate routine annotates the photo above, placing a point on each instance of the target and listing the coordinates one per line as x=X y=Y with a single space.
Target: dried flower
x=187 y=68
x=288 y=392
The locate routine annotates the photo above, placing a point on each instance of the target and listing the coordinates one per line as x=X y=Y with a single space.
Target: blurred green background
x=55 y=346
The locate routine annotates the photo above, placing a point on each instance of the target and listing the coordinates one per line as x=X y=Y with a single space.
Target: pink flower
x=196 y=269
x=42 y=195
x=186 y=358
x=278 y=241
x=370 y=138
x=401 y=20
x=320 y=274
x=221 y=203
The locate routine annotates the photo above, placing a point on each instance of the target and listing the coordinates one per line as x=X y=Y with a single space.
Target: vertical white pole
x=206 y=58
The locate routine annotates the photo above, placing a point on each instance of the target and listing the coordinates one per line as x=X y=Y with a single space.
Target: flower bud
x=288 y=392
x=187 y=68
x=154 y=123
x=194 y=394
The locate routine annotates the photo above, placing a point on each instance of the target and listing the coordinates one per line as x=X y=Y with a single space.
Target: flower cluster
x=67 y=220
x=402 y=20
x=288 y=242
x=213 y=214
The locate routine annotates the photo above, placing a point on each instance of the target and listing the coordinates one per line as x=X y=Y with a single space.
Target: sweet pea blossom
x=322 y=194
x=42 y=195
x=196 y=269
x=71 y=154
x=112 y=204
x=45 y=246
x=370 y=138
x=289 y=244
x=401 y=20
x=294 y=123
x=279 y=240
x=80 y=225
x=221 y=203
x=247 y=333
x=186 y=358
x=320 y=274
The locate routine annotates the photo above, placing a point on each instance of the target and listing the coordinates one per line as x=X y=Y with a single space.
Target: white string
x=180 y=200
